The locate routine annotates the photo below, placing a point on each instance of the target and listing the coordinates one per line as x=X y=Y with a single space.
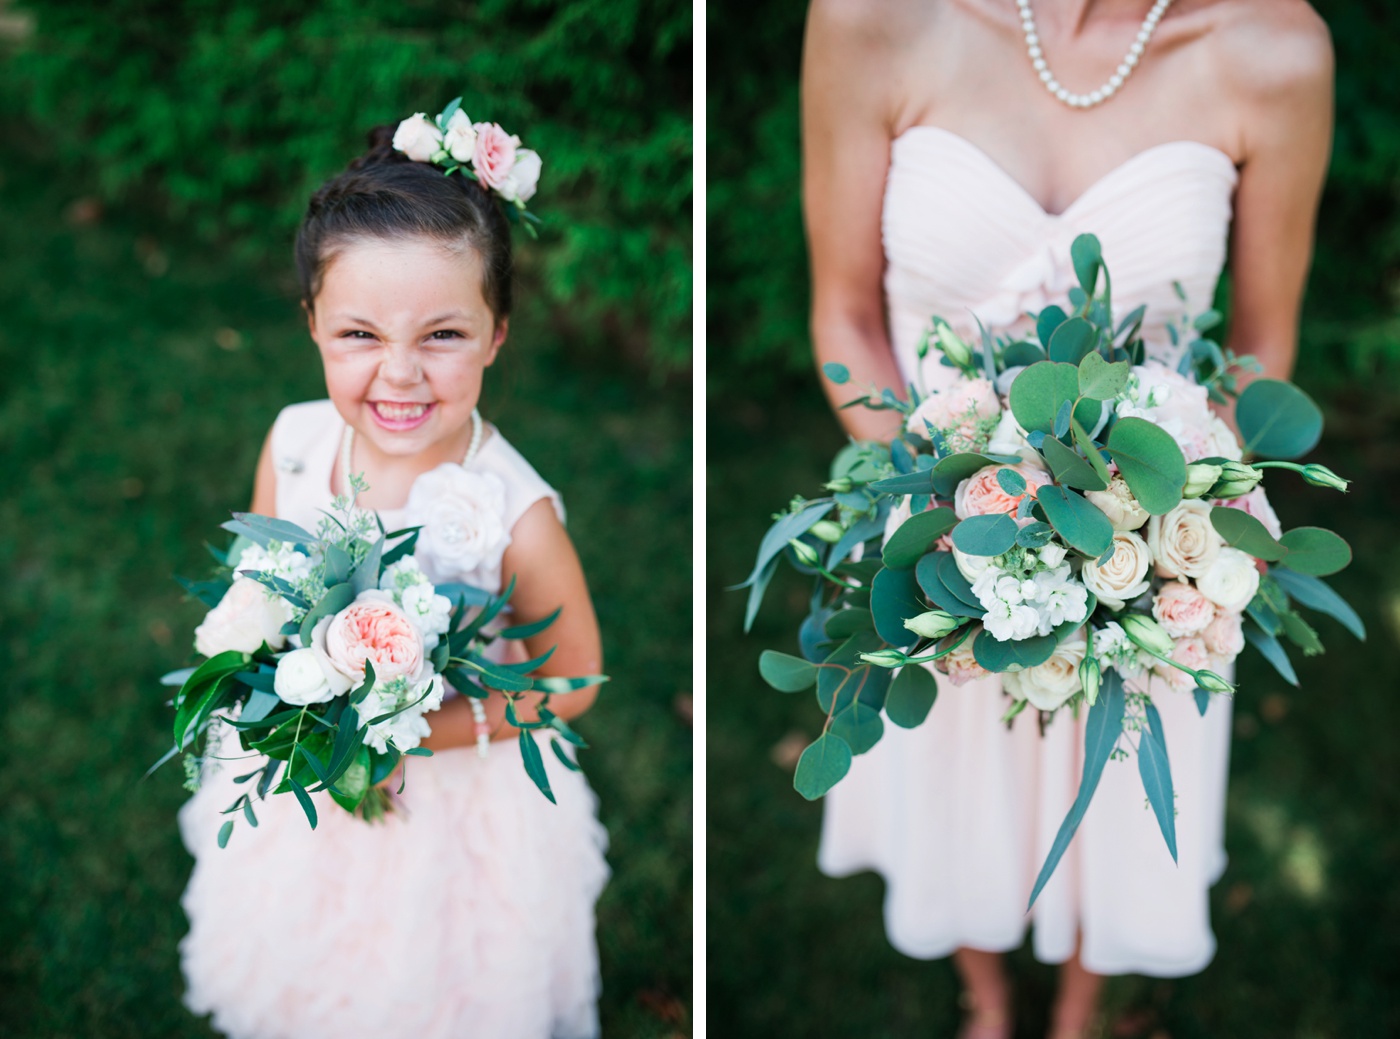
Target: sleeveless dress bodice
x=958 y=814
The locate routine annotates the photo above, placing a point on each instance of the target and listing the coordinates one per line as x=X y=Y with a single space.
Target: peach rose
x=1182 y=610
x=981 y=495
x=1224 y=636
x=370 y=628
x=1190 y=652
x=494 y=157
x=1184 y=542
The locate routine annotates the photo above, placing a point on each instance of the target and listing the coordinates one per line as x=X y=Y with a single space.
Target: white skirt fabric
x=469 y=915
x=959 y=813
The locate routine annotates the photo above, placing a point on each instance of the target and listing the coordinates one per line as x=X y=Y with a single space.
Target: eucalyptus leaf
x=785 y=673
x=1068 y=468
x=985 y=535
x=1013 y=654
x=534 y=765
x=894 y=596
x=1081 y=524
x=1246 y=533
x=911 y=696
x=916 y=535
x=822 y=765
x=1315 y=551
x=1277 y=420
x=1101 y=379
x=1150 y=461
x=1072 y=341
x=1268 y=645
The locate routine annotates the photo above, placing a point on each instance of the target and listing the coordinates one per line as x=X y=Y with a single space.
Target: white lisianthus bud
x=1051 y=554
x=840 y=485
x=957 y=351
x=933 y=625
x=828 y=531
x=1213 y=683
x=1200 y=478
x=805 y=553
x=460 y=139
x=885 y=658
x=1321 y=476
x=1089 y=677
x=1147 y=633
x=1236 y=480
x=418 y=138
x=299 y=679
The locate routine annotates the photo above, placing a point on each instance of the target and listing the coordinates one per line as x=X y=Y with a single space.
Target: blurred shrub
x=226 y=116
x=757 y=279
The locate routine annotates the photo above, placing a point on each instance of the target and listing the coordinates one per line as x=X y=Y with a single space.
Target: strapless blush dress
x=469 y=915
x=958 y=814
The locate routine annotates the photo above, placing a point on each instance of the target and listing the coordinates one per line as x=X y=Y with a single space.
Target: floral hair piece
x=482 y=151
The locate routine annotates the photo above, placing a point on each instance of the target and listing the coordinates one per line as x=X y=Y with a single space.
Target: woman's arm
x=265 y=482
x=548 y=575
x=846 y=133
x=1286 y=108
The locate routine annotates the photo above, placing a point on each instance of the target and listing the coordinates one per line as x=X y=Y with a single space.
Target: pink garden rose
x=1191 y=652
x=370 y=628
x=960 y=665
x=965 y=413
x=981 y=495
x=495 y=154
x=1182 y=609
x=1224 y=637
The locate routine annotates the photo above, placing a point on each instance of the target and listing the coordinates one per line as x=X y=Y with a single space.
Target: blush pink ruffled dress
x=958 y=814
x=469 y=915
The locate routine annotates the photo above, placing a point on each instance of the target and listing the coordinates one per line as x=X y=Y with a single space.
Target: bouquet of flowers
x=326 y=651
x=1067 y=514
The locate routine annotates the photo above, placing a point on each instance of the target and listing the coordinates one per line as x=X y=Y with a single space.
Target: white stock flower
x=418 y=138
x=1119 y=505
x=463 y=517
x=402 y=575
x=520 y=183
x=1047 y=686
x=300 y=679
x=1184 y=542
x=1113 y=648
x=1124 y=576
x=247 y=616
x=1061 y=599
x=279 y=560
x=406 y=729
x=460 y=139
x=430 y=611
x=1231 y=582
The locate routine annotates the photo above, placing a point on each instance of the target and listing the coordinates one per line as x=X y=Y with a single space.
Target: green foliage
x=225 y=117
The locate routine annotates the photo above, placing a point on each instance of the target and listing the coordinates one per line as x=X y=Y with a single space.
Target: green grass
x=1308 y=912
x=127 y=433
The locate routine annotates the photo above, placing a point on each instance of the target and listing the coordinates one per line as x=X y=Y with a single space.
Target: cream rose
x=1224 y=637
x=981 y=494
x=1124 y=577
x=960 y=665
x=520 y=183
x=371 y=628
x=1189 y=652
x=1182 y=610
x=247 y=616
x=1048 y=685
x=460 y=139
x=301 y=680
x=494 y=156
x=1119 y=505
x=463 y=517
x=418 y=138
x=1232 y=581
x=1184 y=543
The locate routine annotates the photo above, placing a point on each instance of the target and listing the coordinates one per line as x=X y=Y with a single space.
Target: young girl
x=469 y=910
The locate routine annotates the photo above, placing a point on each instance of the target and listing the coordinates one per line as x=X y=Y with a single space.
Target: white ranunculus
x=1124 y=577
x=1009 y=438
x=463 y=517
x=520 y=183
x=1184 y=542
x=418 y=138
x=1119 y=505
x=1231 y=582
x=971 y=567
x=247 y=616
x=1048 y=685
x=300 y=680
x=460 y=139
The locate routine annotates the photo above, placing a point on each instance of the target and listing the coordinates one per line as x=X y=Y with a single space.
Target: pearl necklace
x=347 y=446
x=1120 y=75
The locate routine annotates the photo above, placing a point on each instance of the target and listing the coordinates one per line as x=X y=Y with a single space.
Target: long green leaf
x=1316 y=594
x=1156 y=773
x=534 y=765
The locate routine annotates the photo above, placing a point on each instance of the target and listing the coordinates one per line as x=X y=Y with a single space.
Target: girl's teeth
x=400 y=412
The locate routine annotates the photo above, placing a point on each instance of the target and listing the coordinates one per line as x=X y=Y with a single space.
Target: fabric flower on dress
x=463 y=517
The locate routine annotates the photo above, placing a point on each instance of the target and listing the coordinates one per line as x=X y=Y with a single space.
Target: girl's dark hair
x=384 y=194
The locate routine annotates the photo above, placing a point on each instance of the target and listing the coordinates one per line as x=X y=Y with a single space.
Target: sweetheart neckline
x=1025 y=193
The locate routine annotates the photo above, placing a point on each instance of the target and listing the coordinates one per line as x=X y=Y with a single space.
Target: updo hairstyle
x=384 y=194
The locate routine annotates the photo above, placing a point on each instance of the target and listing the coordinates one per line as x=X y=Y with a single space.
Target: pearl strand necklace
x=347 y=453
x=1120 y=75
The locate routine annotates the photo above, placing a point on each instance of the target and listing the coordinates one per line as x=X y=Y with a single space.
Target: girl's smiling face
x=406 y=335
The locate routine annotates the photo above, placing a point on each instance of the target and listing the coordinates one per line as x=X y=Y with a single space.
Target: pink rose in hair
x=495 y=154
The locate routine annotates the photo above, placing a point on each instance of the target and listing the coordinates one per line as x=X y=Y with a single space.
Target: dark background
x=154 y=160
x=1308 y=912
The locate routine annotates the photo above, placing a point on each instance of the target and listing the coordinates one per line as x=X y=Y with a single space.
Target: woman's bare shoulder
x=869 y=25
x=1272 y=49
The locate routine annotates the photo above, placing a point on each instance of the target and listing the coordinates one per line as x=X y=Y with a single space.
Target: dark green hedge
x=757 y=277
x=225 y=116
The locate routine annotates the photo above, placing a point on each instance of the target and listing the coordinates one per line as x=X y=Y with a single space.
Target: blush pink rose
x=982 y=495
x=1224 y=636
x=966 y=399
x=1182 y=609
x=494 y=156
x=370 y=628
x=1192 y=653
x=960 y=665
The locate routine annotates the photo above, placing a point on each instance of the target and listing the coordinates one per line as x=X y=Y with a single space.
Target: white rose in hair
x=1119 y=505
x=460 y=140
x=300 y=680
x=1049 y=685
x=1231 y=582
x=418 y=138
x=247 y=616
x=520 y=183
x=1184 y=542
x=1124 y=576
x=463 y=517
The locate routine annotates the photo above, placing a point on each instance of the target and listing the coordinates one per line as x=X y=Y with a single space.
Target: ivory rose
x=418 y=138
x=960 y=665
x=1232 y=581
x=460 y=139
x=1124 y=576
x=1224 y=637
x=1182 y=610
x=1184 y=542
x=370 y=628
x=1119 y=505
x=1048 y=685
x=1190 y=652
x=494 y=156
x=247 y=616
x=981 y=494
x=520 y=183
x=463 y=517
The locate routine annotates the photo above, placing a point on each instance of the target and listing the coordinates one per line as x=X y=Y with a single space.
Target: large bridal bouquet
x=326 y=651
x=1067 y=514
